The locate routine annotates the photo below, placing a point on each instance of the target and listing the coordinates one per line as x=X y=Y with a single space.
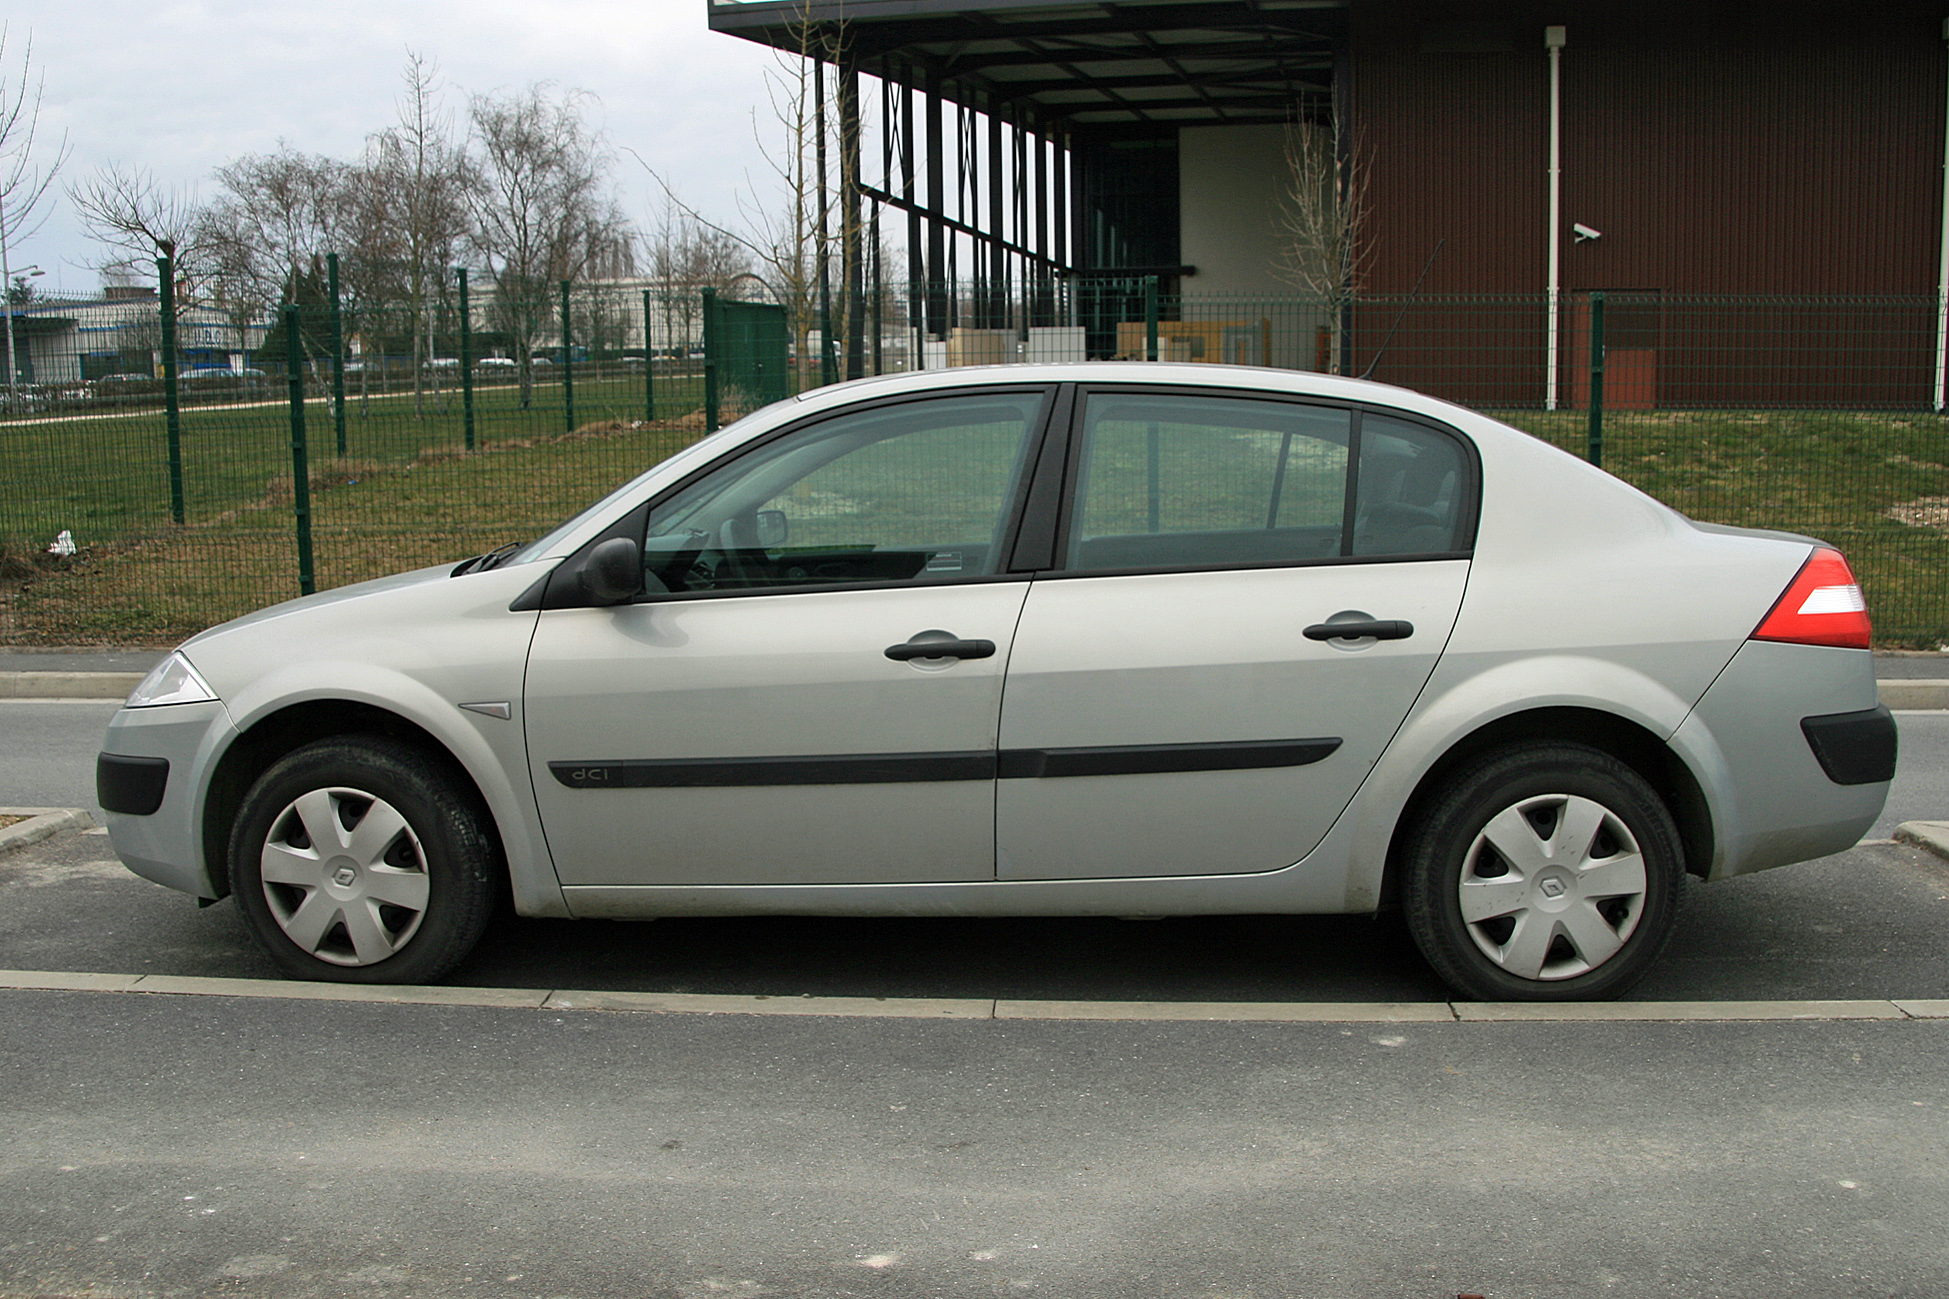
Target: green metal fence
x=148 y=488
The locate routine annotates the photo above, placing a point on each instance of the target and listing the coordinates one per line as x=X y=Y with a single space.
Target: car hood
x=324 y=599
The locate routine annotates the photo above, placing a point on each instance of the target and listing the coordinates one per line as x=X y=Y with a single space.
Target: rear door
x=1178 y=702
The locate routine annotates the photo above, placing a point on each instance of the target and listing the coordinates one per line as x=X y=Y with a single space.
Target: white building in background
x=66 y=341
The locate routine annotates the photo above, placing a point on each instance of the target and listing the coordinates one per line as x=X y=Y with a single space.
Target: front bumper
x=165 y=844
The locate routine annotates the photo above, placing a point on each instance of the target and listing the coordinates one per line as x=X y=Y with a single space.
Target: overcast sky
x=182 y=87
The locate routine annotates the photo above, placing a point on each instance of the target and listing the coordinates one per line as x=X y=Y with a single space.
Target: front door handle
x=944 y=648
x=1378 y=628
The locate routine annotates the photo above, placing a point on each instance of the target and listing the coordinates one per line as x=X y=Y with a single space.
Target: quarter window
x=1413 y=485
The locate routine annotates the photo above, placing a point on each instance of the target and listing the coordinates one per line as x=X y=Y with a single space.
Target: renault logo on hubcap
x=344 y=876
x=1554 y=888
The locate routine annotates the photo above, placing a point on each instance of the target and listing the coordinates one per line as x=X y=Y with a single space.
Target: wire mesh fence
x=151 y=492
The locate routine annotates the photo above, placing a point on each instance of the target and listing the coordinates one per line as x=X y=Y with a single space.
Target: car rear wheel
x=359 y=861
x=1545 y=873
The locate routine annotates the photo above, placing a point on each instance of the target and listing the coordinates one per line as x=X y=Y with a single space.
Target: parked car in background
x=112 y=387
x=25 y=399
x=207 y=375
x=1092 y=639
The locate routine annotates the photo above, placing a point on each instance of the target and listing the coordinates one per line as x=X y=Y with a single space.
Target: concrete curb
x=41 y=823
x=68 y=685
x=1932 y=835
x=1899 y=693
x=1431 y=1012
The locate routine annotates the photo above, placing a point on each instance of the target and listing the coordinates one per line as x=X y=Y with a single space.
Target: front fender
x=490 y=749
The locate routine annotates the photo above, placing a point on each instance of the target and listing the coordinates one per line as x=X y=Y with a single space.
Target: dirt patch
x=6 y=820
x=1922 y=512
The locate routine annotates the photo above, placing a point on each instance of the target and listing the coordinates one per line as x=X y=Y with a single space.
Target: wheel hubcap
x=344 y=876
x=1552 y=887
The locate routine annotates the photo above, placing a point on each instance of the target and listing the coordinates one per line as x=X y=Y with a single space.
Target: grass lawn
x=405 y=495
x=106 y=478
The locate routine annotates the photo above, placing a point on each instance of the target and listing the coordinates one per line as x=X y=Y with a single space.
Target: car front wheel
x=356 y=860
x=1545 y=873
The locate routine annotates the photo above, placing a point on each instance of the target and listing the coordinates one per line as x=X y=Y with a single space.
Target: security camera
x=1584 y=232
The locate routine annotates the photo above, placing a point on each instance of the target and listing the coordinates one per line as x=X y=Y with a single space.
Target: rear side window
x=1175 y=481
x=1168 y=480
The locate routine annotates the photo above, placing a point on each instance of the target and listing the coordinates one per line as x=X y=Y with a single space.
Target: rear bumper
x=1776 y=793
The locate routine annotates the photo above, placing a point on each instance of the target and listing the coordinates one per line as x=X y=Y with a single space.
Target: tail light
x=1823 y=605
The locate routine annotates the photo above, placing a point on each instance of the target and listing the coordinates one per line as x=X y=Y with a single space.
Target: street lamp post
x=7 y=278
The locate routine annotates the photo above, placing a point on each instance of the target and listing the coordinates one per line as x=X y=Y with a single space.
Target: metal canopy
x=1102 y=67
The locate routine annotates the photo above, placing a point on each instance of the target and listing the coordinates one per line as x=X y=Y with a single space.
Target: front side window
x=915 y=492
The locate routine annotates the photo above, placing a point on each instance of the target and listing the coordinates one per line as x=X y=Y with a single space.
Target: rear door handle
x=941 y=649
x=1378 y=628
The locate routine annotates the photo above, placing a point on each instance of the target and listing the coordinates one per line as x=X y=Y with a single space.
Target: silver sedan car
x=1089 y=639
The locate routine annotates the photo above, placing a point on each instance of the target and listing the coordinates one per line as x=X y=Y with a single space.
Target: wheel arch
x=294 y=726
x=1621 y=738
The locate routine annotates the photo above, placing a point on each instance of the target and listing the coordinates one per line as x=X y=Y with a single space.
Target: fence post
x=338 y=356
x=568 y=368
x=466 y=364
x=1596 y=438
x=172 y=414
x=711 y=343
x=300 y=469
x=1150 y=317
x=649 y=365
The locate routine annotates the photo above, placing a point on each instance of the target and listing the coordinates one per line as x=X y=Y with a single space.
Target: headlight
x=172 y=681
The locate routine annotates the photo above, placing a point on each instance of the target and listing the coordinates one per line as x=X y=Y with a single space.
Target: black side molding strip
x=913 y=768
x=1142 y=759
x=705 y=773
x=1853 y=748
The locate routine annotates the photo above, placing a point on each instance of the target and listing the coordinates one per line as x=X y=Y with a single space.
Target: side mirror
x=613 y=572
x=772 y=529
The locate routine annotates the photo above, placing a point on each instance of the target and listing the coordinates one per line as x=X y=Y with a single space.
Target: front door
x=813 y=699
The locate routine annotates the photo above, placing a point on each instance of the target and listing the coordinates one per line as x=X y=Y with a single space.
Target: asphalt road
x=163 y=1146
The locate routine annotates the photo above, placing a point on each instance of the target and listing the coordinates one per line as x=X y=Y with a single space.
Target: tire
x=1545 y=873
x=408 y=885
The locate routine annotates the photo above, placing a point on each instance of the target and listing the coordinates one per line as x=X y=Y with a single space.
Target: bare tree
x=286 y=208
x=24 y=181
x=411 y=201
x=687 y=255
x=233 y=281
x=796 y=217
x=1322 y=217
x=138 y=219
x=543 y=209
